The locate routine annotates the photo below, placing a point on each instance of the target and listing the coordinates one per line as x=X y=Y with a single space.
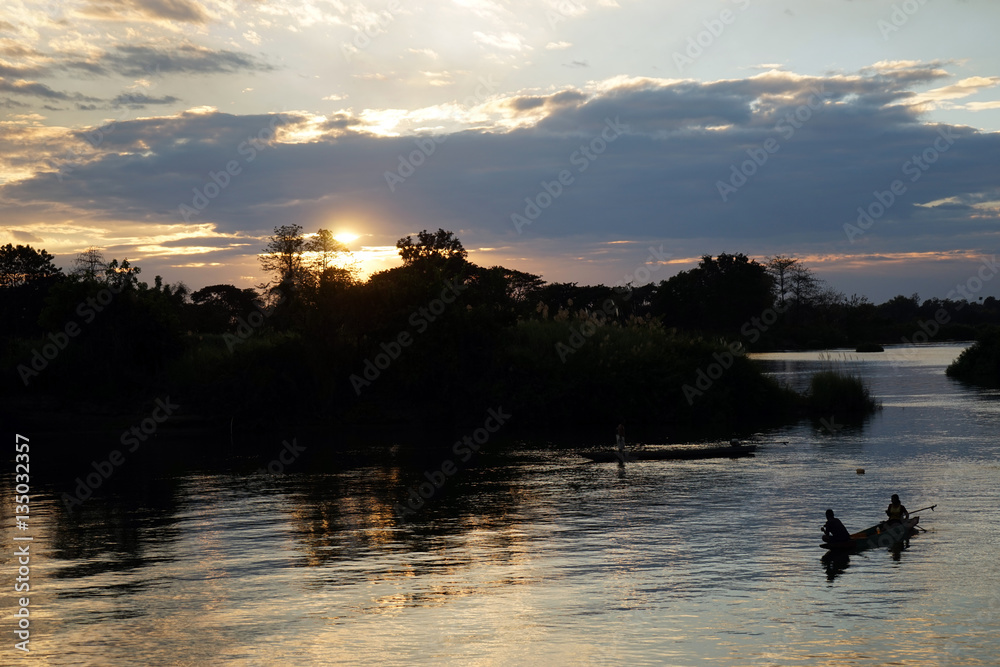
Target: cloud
x=507 y=41
x=532 y=102
x=982 y=106
x=132 y=60
x=183 y=11
x=134 y=100
x=430 y=53
x=35 y=89
x=964 y=88
x=24 y=237
x=641 y=158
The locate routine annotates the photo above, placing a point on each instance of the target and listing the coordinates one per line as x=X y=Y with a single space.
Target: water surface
x=536 y=557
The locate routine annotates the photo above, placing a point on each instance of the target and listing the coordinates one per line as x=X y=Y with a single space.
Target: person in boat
x=834 y=529
x=896 y=511
x=620 y=437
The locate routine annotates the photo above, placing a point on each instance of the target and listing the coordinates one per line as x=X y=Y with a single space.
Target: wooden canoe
x=880 y=535
x=672 y=454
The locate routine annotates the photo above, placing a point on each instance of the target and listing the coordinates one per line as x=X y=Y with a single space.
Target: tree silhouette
x=89 y=264
x=325 y=251
x=219 y=307
x=718 y=296
x=26 y=276
x=23 y=264
x=440 y=245
x=780 y=267
x=283 y=255
x=122 y=276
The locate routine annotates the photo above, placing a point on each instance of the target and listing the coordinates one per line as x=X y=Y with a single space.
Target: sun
x=346 y=237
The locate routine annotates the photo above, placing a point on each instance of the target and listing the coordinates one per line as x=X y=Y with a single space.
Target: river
x=534 y=557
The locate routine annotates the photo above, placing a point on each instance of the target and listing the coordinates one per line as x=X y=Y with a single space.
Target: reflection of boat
x=880 y=535
x=673 y=453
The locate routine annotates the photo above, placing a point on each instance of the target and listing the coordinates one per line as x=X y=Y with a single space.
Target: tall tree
x=331 y=264
x=282 y=255
x=440 y=245
x=26 y=278
x=123 y=276
x=520 y=285
x=718 y=296
x=89 y=265
x=23 y=264
x=219 y=307
x=804 y=287
x=326 y=251
x=780 y=267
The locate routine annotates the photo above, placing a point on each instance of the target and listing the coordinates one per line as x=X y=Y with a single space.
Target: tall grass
x=837 y=393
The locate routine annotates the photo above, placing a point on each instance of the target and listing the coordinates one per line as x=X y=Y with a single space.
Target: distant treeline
x=432 y=343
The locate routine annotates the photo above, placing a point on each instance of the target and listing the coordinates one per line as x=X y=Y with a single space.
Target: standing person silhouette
x=620 y=441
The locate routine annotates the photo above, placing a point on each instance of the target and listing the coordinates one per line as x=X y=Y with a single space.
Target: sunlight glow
x=346 y=237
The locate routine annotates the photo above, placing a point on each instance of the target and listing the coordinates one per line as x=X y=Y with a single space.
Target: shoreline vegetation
x=424 y=348
x=979 y=364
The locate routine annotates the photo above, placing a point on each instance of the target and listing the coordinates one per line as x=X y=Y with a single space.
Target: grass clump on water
x=839 y=394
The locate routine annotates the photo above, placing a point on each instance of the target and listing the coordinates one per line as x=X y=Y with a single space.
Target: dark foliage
x=432 y=342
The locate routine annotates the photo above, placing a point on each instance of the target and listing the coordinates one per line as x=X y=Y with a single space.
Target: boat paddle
x=931 y=508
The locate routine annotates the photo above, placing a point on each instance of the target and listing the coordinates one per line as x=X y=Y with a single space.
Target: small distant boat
x=880 y=535
x=672 y=454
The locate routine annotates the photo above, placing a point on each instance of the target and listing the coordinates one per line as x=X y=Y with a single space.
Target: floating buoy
x=860 y=471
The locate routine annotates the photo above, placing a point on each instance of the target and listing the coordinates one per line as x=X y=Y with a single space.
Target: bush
x=980 y=363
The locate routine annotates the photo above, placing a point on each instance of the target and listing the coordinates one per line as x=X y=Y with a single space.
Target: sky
x=592 y=141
